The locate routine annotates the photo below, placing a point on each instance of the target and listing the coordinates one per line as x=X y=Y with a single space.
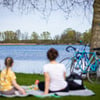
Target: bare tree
x=45 y=7
x=34 y=36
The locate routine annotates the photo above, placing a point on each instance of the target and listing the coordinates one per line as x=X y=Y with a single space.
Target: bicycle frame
x=88 y=61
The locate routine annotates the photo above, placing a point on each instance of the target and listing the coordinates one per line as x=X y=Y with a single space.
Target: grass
x=28 y=79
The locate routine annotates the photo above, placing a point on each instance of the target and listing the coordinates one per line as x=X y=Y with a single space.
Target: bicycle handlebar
x=70 y=47
x=76 y=50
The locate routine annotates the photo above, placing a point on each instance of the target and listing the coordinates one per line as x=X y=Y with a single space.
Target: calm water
x=31 y=58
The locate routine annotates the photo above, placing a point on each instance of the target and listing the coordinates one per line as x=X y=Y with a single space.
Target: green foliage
x=34 y=36
x=45 y=35
x=69 y=36
x=87 y=37
x=8 y=35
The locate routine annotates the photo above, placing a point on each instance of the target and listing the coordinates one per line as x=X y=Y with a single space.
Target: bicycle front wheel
x=93 y=74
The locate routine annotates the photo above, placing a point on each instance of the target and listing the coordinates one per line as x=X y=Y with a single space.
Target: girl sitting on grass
x=8 y=84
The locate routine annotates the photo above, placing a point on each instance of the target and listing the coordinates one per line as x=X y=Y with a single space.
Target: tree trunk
x=95 y=40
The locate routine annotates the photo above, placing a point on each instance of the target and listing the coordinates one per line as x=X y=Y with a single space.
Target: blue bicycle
x=87 y=64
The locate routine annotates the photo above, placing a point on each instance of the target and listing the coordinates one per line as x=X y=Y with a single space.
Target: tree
x=24 y=36
x=18 y=34
x=78 y=36
x=45 y=7
x=95 y=39
x=45 y=35
x=34 y=36
x=69 y=36
x=0 y=36
x=63 y=37
x=57 y=39
x=9 y=35
x=87 y=37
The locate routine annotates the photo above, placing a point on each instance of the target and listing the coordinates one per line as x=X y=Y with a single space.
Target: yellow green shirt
x=6 y=79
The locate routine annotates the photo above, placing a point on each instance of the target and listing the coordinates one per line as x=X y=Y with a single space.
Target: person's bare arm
x=65 y=75
x=18 y=87
x=47 y=82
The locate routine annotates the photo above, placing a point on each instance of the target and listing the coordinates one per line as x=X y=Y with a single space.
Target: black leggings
x=41 y=86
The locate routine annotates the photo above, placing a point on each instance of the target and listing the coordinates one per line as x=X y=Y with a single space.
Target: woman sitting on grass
x=55 y=75
x=8 y=84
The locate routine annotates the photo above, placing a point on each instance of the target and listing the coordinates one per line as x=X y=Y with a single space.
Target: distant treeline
x=68 y=36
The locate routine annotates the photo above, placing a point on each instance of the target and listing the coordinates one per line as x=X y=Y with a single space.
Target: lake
x=31 y=58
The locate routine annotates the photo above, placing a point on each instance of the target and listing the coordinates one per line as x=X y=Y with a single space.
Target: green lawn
x=28 y=79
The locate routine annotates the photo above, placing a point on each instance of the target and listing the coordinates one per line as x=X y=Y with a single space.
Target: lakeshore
x=18 y=44
x=37 y=44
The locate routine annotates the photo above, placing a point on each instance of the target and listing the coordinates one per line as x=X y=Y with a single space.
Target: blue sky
x=34 y=21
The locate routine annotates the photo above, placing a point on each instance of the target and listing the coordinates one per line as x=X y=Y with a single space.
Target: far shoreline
x=1 y=44
x=18 y=44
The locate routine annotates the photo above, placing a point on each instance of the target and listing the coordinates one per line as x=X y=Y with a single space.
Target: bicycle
x=85 y=63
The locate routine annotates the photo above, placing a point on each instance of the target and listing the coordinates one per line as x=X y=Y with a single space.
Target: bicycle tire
x=72 y=66
x=94 y=76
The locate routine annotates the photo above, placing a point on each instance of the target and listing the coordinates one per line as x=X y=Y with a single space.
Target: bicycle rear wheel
x=94 y=75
